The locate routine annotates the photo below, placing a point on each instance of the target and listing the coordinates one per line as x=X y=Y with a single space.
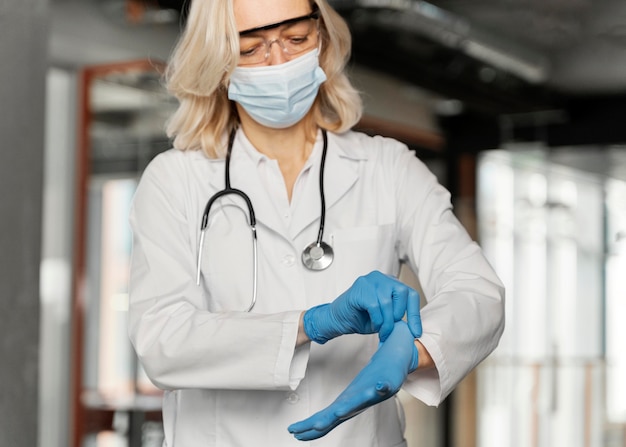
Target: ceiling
x=579 y=45
x=486 y=69
x=572 y=46
x=553 y=70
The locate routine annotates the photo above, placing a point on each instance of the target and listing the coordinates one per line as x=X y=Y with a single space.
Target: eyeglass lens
x=293 y=38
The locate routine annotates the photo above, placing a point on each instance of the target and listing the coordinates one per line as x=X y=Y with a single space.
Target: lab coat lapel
x=339 y=176
x=244 y=175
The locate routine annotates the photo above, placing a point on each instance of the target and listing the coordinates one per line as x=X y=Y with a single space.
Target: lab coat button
x=289 y=260
x=293 y=398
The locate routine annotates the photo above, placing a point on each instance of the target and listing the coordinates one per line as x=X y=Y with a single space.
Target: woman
x=236 y=334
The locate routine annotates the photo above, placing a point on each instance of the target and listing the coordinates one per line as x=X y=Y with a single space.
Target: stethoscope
x=316 y=256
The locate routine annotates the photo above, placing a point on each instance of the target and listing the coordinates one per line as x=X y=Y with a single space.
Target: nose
x=276 y=52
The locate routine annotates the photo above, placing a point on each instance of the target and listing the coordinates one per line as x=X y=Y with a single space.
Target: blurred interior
x=517 y=106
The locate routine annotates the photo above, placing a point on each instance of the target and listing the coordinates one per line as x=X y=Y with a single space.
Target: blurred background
x=518 y=106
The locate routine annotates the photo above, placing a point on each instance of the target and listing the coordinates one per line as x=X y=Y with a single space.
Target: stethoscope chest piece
x=317 y=256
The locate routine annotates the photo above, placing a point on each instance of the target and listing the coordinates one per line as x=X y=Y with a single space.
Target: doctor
x=266 y=245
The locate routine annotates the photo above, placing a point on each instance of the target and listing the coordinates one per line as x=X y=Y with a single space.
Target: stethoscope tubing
x=320 y=232
x=319 y=260
x=205 y=222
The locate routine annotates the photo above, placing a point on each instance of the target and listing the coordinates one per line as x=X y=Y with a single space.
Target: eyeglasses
x=295 y=36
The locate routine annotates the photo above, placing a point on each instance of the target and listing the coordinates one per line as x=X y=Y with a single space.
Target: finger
x=381 y=310
x=309 y=435
x=400 y=296
x=365 y=298
x=386 y=310
x=393 y=301
x=414 y=320
x=304 y=425
x=376 y=315
x=313 y=433
x=314 y=426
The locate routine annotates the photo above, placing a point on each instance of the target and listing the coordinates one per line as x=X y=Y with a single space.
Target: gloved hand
x=372 y=304
x=380 y=379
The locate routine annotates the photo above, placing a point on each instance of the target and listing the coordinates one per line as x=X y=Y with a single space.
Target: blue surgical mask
x=278 y=96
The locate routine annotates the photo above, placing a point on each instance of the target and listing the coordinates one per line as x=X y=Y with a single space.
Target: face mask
x=278 y=96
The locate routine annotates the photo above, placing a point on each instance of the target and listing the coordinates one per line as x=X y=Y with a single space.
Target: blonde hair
x=207 y=53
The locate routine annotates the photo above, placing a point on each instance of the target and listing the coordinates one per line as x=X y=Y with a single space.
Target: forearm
x=184 y=347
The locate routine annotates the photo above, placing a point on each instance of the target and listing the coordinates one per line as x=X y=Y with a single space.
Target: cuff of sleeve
x=429 y=385
x=298 y=365
x=291 y=362
x=425 y=386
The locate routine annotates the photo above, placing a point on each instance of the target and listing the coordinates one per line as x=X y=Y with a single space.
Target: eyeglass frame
x=314 y=15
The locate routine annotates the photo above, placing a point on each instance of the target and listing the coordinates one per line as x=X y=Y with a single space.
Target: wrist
x=414 y=359
x=302 y=338
x=310 y=320
x=425 y=361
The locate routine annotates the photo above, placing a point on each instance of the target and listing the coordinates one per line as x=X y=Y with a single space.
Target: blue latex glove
x=372 y=304
x=380 y=379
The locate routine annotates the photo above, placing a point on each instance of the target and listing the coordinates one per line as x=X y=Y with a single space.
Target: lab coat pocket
x=360 y=250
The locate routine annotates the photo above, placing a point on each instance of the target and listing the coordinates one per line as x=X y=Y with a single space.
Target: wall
x=23 y=37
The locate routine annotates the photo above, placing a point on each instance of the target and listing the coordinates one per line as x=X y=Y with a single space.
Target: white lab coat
x=233 y=378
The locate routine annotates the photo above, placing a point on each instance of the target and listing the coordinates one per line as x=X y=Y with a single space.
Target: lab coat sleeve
x=178 y=341
x=464 y=315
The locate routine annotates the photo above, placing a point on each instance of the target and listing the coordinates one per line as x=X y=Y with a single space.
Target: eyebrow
x=313 y=15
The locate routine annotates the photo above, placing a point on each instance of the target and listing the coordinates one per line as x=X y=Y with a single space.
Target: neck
x=285 y=145
x=290 y=147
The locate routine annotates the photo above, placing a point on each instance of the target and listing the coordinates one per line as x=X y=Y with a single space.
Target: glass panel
x=111 y=369
x=616 y=302
x=126 y=108
x=542 y=226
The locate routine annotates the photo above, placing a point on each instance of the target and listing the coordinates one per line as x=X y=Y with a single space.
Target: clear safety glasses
x=295 y=36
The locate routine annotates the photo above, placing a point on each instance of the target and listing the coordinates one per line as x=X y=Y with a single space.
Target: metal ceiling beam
x=456 y=33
